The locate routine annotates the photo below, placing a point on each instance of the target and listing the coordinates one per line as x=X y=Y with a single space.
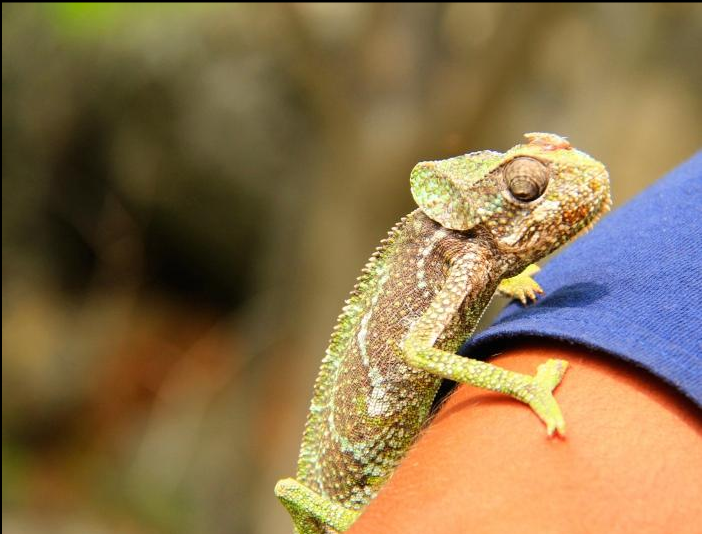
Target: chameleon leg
x=418 y=351
x=310 y=511
x=522 y=286
x=536 y=391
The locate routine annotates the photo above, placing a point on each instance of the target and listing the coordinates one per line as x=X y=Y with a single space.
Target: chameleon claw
x=556 y=427
x=547 y=409
x=522 y=287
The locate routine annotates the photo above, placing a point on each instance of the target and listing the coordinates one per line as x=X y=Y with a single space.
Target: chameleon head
x=532 y=199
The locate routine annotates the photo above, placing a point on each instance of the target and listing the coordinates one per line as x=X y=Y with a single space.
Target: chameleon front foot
x=522 y=287
x=538 y=394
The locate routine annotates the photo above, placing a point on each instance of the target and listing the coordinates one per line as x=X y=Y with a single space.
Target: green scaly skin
x=483 y=219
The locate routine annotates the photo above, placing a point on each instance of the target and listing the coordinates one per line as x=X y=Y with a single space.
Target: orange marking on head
x=548 y=141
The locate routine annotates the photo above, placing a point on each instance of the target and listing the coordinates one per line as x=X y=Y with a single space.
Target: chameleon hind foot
x=521 y=287
x=311 y=512
x=538 y=394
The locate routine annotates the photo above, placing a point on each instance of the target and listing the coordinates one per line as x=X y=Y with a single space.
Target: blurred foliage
x=189 y=190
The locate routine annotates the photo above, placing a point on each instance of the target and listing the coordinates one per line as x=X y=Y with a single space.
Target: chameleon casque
x=483 y=219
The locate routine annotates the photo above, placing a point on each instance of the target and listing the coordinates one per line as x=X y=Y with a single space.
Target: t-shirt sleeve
x=632 y=287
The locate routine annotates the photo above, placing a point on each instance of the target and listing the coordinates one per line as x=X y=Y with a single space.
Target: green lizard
x=483 y=219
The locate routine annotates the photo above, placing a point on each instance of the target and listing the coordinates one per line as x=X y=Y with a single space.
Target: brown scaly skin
x=483 y=218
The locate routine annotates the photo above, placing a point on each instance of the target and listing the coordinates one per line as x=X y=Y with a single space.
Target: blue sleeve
x=632 y=287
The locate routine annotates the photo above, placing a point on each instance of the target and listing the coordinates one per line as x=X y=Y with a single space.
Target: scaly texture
x=483 y=218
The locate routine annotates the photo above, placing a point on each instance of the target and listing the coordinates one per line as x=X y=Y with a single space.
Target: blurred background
x=189 y=191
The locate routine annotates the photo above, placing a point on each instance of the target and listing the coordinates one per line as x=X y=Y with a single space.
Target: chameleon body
x=483 y=218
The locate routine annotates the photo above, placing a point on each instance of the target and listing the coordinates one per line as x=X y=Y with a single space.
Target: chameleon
x=482 y=221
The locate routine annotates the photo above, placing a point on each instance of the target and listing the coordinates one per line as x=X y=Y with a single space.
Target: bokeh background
x=189 y=191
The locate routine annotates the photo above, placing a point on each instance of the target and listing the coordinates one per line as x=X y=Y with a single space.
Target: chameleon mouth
x=586 y=223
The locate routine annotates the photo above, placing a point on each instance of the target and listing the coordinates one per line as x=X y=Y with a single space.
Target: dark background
x=189 y=192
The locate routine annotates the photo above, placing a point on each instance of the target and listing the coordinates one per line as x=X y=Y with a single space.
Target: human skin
x=631 y=461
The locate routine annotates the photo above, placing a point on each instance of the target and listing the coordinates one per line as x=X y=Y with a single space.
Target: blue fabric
x=632 y=287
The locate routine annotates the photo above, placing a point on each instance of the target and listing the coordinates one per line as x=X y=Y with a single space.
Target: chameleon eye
x=527 y=178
